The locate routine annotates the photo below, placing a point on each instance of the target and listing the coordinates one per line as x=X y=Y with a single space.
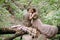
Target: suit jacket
x=26 y=20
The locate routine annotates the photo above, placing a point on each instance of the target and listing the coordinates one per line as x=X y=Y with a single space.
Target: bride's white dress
x=47 y=30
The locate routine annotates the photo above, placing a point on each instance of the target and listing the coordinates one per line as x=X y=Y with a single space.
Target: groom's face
x=30 y=10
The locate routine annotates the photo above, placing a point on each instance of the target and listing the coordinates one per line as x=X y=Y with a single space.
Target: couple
x=31 y=19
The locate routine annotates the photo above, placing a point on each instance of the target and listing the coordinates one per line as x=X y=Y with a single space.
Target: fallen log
x=18 y=30
x=11 y=31
x=17 y=34
x=7 y=31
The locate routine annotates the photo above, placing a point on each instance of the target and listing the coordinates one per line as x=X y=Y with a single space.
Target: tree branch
x=29 y=3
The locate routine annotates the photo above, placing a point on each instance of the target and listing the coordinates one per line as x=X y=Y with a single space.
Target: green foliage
x=1 y=2
x=19 y=16
x=4 y=14
x=53 y=17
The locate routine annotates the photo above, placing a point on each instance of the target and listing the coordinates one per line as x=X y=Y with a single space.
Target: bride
x=45 y=29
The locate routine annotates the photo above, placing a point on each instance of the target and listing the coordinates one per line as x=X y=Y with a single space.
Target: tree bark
x=17 y=34
x=7 y=31
x=11 y=31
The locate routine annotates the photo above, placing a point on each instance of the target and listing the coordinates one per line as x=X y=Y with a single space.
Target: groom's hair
x=34 y=10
